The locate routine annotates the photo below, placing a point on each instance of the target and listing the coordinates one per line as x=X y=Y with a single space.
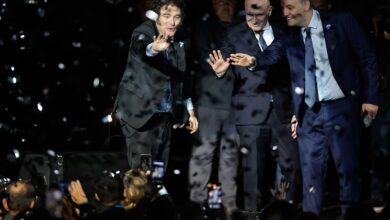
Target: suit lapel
x=297 y=45
x=179 y=55
x=250 y=41
x=296 y=54
x=330 y=35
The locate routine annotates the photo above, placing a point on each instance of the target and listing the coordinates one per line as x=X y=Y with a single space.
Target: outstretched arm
x=272 y=55
x=243 y=60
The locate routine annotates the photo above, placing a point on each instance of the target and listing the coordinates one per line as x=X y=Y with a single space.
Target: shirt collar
x=314 y=21
x=267 y=26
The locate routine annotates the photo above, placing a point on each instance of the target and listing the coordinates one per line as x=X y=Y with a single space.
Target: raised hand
x=217 y=63
x=242 y=59
x=160 y=43
x=77 y=193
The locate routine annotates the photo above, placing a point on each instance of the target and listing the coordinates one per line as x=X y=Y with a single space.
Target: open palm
x=160 y=43
x=217 y=63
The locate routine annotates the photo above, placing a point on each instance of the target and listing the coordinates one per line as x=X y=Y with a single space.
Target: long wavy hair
x=134 y=183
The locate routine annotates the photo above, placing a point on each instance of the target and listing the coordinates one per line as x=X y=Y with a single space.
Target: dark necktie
x=262 y=42
x=310 y=70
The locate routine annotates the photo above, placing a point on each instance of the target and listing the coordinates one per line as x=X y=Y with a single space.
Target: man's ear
x=5 y=205
x=124 y=193
x=32 y=204
x=97 y=197
x=307 y=5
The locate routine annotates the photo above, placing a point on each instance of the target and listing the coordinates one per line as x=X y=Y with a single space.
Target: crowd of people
x=131 y=196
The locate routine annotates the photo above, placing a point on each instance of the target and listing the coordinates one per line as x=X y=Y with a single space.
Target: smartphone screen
x=63 y=187
x=158 y=172
x=214 y=200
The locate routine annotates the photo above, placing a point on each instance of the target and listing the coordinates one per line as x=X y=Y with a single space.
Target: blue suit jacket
x=353 y=63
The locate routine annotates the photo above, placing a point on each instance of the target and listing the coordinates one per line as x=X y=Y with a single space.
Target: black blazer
x=252 y=89
x=145 y=80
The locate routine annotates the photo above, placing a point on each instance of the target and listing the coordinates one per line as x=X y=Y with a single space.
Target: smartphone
x=214 y=200
x=63 y=187
x=366 y=120
x=158 y=172
x=146 y=162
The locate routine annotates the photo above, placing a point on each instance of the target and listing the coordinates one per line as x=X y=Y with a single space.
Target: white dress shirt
x=268 y=35
x=327 y=87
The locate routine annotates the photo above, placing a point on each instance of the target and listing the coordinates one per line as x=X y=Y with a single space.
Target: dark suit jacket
x=252 y=89
x=145 y=80
x=209 y=90
x=353 y=63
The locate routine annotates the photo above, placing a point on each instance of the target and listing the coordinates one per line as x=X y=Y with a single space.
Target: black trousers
x=255 y=141
x=216 y=133
x=380 y=153
x=150 y=142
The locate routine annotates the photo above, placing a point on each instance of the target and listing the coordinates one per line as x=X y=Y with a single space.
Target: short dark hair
x=311 y=2
x=158 y=4
x=109 y=188
x=20 y=194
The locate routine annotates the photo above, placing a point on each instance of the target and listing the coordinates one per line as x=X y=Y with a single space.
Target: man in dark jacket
x=334 y=79
x=217 y=133
x=151 y=91
x=261 y=104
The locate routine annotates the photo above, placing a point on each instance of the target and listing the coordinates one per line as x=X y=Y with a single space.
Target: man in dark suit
x=334 y=82
x=260 y=104
x=217 y=134
x=151 y=91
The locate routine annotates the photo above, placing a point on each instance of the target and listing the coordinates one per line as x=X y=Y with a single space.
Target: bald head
x=257 y=3
x=257 y=13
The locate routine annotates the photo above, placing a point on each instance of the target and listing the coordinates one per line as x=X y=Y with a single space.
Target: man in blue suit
x=334 y=83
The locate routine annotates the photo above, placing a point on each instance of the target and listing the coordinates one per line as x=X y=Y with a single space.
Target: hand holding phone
x=214 y=200
x=158 y=172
